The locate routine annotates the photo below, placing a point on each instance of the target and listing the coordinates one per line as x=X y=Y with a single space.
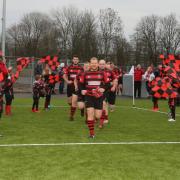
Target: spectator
x=138 y=72
x=61 y=84
x=38 y=69
x=148 y=77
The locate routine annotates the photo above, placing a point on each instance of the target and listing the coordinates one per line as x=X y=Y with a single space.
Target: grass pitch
x=90 y=162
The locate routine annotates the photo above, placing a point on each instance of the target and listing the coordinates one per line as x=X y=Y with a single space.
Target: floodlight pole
x=3 y=45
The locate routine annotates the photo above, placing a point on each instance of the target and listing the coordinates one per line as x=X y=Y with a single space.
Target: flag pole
x=3 y=45
x=133 y=87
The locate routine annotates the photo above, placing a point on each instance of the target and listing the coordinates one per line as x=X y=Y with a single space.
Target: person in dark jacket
x=38 y=69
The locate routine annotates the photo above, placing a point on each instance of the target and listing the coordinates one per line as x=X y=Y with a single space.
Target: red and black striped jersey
x=93 y=79
x=116 y=71
x=72 y=71
x=110 y=75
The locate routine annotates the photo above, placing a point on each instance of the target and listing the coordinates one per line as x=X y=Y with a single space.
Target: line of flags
x=52 y=62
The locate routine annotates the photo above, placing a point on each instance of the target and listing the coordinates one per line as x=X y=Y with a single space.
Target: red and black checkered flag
x=22 y=63
x=167 y=60
x=176 y=66
x=162 y=88
x=45 y=59
x=15 y=76
x=51 y=61
x=54 y=78
x=3 y=71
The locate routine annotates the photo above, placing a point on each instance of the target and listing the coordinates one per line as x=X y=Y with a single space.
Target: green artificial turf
x=89 y=162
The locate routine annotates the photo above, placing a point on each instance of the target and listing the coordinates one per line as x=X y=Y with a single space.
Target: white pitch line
x=129 y=107
x=25 y=106
x=144 y=109
x=83 y=144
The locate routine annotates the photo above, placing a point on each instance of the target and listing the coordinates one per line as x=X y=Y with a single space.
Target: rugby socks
x=91 y=127
x=8 y=110
x=172 y=107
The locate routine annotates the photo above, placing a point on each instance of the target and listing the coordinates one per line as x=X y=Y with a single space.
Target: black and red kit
x=1 y=102
x=110 y=95
x=38 y=86
x=72 y=71
x=91 y=81
x=48 y=90
x=8 y=91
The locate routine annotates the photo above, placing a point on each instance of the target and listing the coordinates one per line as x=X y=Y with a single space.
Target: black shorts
x=105 y=96
x=93 y=102
x=81 y=98
x=111 y=97
x=71 y=90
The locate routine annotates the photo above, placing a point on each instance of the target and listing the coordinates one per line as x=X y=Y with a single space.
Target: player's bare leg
x=73 y=106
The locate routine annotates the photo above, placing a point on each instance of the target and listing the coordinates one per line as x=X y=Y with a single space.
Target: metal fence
x=25 y=81
x=26 y=78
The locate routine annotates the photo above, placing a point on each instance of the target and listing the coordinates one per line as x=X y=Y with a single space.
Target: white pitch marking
x=144 y=109
x=82 y=144
x=129 y=107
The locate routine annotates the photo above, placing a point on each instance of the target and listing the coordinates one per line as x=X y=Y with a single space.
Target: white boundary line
x=129 y=107
x=144 y=109
x=86 y=144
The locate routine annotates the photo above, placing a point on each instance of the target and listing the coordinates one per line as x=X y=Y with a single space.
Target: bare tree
x=170 y=33
x=146 y=35
x=110 y=25
x=29 y=32
x=89 y=35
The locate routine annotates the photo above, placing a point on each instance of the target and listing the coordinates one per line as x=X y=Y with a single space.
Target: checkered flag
x=51 y=61
x=22 y=63
x=162 y=88
x=54 y=78
x=3 y=71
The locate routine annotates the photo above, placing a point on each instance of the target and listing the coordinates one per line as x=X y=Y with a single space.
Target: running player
x=69 y=76
x=93 y=84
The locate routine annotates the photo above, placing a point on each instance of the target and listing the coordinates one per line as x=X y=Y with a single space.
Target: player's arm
x=76 y=84
x=65 y=76
x=105 y=84
x=114 y=85
x=81 y=84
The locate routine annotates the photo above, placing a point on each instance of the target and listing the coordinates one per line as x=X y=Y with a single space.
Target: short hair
x=37 y=77
x=75 y=56
x=109 y=62
x=102 y=60
x=93 y=58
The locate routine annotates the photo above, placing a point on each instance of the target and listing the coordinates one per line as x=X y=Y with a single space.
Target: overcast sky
x=130 y=11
